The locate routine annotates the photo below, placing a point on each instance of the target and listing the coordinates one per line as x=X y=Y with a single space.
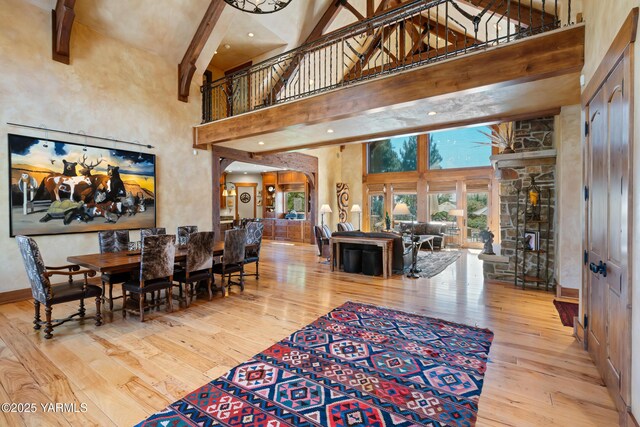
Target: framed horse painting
x=61 y=187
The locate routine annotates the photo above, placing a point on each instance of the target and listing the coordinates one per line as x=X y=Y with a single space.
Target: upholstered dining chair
x=144 y=232
x=45 y=293
x=198 y=267
x=233 y=258
x=184 y=231
x=255 y=230
x=113 y=241
x=156 y=274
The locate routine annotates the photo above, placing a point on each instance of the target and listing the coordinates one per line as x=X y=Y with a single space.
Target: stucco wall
x=329 y=171
x=352 y=175
x=568 y=184
x=603 y=21
x=110 y=89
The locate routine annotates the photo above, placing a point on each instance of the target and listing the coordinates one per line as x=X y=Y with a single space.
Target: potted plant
x=387 y=221
x=502 y=137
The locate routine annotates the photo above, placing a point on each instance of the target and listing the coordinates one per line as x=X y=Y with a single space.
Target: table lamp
x=323 y=210
x=357 y=209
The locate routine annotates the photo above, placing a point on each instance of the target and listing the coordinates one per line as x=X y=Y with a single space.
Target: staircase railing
x=415 y=34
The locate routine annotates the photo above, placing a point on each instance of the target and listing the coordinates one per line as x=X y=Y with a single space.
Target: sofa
x=401 y=255
x=436 y=229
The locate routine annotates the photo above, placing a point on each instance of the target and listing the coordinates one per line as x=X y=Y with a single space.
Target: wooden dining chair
x=184 y=231
x=233 y=258
x=255 y=230
x=198 y=267
x=112 y=241
x=45 y=293
x=144 y=232
x=156 y=274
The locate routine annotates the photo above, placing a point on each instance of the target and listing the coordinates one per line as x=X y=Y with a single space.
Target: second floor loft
x=391 y=37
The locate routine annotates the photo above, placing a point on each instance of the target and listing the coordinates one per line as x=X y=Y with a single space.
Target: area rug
x=567 y=311
x=359 y=365
x=433 y=263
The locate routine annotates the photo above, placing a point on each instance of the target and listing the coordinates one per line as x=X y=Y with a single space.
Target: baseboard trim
x=570 y=293
x=15 y=296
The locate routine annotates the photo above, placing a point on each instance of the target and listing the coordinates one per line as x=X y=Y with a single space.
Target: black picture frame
x=531 y=240
x=119 y=176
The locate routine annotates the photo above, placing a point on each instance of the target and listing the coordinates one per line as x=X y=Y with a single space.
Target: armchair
x=45 y=293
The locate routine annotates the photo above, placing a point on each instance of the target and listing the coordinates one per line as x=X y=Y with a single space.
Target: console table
x=386 y=243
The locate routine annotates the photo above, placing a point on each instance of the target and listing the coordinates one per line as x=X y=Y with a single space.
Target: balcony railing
x=418 y=33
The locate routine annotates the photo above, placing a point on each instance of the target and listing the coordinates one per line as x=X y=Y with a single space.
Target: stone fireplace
x=534 y=156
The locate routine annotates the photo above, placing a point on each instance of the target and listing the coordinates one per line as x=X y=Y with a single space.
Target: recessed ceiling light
x=250 y=34
x=432 y=113
x=245 y=173
x=215 y=52
x=329 y=130
x=227 y=46
x=260 y=142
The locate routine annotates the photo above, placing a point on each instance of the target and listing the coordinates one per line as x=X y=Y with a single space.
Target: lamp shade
x=232 y=192
x=356 y=208
x=225 y=193
x=456 y=212
x=325 y=209
x=401 y=209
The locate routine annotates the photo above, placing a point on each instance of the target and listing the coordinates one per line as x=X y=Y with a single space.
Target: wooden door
x=608 y=311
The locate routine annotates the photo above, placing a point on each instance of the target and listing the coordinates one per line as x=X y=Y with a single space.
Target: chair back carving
x=255 y=230
x=200 y=251
x=144 y=232
x=113 y=241
x=157 y=257
x=185 y=231
x=34 y=265
x=234 y=245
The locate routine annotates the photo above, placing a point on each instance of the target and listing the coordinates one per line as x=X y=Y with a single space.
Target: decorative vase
x=387 y=221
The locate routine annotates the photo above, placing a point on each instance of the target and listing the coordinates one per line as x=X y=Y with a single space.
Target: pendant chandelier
x=259 y=6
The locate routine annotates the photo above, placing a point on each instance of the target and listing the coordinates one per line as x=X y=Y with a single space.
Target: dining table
x=118 y=262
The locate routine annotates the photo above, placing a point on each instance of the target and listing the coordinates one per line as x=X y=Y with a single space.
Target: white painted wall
x=110 y=89
x=569 y=198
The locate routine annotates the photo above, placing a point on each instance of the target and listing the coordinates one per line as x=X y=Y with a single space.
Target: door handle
x=600 y=268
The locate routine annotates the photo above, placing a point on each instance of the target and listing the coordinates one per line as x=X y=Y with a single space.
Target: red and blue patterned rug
x=359 y=365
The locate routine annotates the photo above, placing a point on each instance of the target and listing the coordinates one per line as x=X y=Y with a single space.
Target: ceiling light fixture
x=258 y=6
x=227 y=46
x=215 y=52
x=329 y=130
x=260 y=142
x=432 y=113
x=250 y=34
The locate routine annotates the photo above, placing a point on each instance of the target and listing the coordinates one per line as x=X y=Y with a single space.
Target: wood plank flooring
x=125 y=370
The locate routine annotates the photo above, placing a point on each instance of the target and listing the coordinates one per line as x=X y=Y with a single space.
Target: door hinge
x=586 y=192
x=586 y=128
x=586 y=257
x=586 y=321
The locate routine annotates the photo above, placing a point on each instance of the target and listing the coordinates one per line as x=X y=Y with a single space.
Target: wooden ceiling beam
x=187 y=66
x=62 y=18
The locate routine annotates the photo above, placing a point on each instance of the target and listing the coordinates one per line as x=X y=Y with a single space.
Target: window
x=376 y=212
x=294 y=201
x=460 y=148
x=477 y=213
x=393 y=155
x=439 y=206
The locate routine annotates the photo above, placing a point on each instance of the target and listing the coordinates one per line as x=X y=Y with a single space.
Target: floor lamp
x=402 y=209
x=323 y=210
x=357 y=209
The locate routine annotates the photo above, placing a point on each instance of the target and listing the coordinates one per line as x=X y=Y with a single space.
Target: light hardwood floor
x=125 y=370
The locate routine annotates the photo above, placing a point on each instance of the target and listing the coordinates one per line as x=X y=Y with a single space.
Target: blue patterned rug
x=359 y=365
